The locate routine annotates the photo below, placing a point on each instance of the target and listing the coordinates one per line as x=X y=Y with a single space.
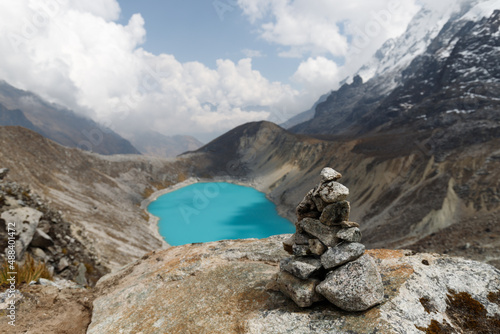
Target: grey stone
x=25 y=222
x=41 y=239
x=288 y=244
x=300 y=250
x=301 y=267
x=301 y=239
x=63 y=264
x=320 y=204
x=352 y=234
x=39 y=254
x=307 y=208
x=302 y=292
x=329 y=174
x=46 y=282
x=341 y=254
x=357 y=286
x=326 y=234
x=3 y=173
x=336 y=213
x=80 y=278
x=332 y=192
x=316 y=247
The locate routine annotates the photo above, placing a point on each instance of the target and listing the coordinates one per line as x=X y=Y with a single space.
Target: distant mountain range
x=18 y=107
x=22 y=108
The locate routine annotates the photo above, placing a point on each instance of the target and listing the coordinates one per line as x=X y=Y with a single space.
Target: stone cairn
x=328 y=259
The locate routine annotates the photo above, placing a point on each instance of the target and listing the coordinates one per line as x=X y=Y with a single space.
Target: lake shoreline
x=153 y=221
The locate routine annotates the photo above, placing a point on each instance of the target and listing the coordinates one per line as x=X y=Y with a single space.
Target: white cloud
x=317 y=74
x=342 y=31
x=73 y=53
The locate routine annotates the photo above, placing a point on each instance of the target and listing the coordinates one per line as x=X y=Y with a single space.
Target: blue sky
x=183 y=67
x=207 y=30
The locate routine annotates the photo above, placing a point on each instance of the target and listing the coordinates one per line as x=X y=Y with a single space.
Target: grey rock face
x=316 y=247
x=301 y=267
x=357 y=286
x=326 y=234
x=329 y=174
x=332 y=192
x=302 y=292
x=344 y=253
x=336 y=213
x=25 y=221
x=352 y=234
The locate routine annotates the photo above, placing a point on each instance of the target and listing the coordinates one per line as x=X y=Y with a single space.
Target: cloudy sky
x=198 y=67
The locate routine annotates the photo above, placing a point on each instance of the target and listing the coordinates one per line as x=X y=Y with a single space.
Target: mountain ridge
x=59 y=124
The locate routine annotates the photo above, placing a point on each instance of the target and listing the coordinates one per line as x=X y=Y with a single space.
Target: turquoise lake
x=205 y=212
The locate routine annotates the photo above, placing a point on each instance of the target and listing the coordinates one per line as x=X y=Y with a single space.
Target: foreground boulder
x=25 y=222
x=223 y=287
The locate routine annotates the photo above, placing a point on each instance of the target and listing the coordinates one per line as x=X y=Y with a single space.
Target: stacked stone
x=328 y=259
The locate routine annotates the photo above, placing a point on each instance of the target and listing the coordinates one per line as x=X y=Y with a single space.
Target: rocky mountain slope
x=99 y=196
x=402 y=195
x=45 y=235
x=18 y=107
x=224 y=287
x=454 y=82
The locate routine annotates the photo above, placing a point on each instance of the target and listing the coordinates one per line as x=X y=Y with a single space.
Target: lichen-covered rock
x=332 y=192
x=300 y=250
x=302 y=292
x=341 y=254
x=336 y=213
x=327 y=234
x=301 y=267
x=219 y=287
x=356 y=286
x=296 y=238
x=317 y=247
x=352 y=234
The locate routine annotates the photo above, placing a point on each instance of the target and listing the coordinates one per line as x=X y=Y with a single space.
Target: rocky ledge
x=226 y=287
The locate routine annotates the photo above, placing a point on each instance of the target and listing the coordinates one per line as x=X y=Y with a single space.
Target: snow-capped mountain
x=422 y=79
x=396 y=54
